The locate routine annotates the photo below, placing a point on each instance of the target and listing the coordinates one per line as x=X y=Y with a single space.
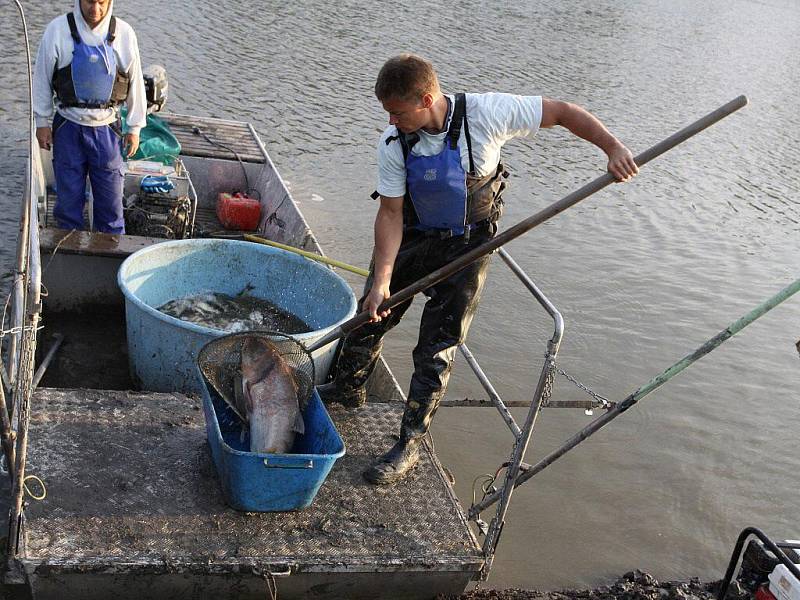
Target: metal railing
x=522 y=435
x=517 y=471
x=21 y=350
x=775 y=548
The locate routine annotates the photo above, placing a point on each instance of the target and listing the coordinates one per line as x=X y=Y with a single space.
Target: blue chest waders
x=94 y=69
x=437 y=186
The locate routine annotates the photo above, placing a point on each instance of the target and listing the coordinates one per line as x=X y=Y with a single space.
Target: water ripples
x=643 y=273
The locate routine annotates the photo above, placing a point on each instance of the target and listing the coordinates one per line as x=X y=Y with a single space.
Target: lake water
x=643 y=273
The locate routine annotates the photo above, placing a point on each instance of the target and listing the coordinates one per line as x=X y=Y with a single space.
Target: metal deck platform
x=132 y=493
x=134 y=508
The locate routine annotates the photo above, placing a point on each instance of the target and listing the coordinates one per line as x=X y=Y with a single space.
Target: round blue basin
x=163 y=349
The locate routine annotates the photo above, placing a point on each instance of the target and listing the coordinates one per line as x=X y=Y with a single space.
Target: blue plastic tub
x=162 y=349
x=270 y=482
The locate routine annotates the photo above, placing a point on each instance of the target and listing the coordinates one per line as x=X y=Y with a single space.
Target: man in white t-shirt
x=440 y=182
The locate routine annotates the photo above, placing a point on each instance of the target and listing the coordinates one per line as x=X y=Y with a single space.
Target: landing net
x=220 y=361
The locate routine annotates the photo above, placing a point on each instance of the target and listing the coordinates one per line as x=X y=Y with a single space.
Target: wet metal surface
x=130 y=480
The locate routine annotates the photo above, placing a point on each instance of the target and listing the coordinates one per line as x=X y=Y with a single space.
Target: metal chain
x=605 y=402
x=15 y=330
x=547 y=390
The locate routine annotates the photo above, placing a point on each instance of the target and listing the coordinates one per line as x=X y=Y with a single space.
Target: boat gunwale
x=162 y=566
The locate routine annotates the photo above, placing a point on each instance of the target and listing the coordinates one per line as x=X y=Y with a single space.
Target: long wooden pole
x=526 y=225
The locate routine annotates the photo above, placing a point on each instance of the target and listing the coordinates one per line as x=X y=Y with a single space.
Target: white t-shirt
x=493 y=119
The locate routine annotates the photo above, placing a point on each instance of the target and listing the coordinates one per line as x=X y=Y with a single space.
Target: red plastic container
x=237 y=211
x=763 y=593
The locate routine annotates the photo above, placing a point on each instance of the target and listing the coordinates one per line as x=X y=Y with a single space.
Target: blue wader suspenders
x=440 y=196
x=92 y=79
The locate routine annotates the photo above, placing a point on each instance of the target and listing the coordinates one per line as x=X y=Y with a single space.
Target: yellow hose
x=311 y=255
x=41 y=496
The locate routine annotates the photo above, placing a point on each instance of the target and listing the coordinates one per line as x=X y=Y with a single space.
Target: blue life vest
x=437 y=185
x=93 y=78
x=441 y=198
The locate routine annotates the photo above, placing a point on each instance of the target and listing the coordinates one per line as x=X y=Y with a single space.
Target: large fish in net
x=266 y=379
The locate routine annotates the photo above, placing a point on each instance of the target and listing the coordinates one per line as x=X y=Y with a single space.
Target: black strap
x=87 y=104
x=459 y=117
x=469 y=141
x=459 y=111
x=73 y=28
x=407 y=142
x=112 y=29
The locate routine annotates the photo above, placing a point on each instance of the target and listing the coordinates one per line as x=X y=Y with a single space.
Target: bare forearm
x=388 y=235
x=584 y=124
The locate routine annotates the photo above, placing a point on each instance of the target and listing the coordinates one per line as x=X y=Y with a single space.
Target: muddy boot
x=331 y=393
x=396 y=463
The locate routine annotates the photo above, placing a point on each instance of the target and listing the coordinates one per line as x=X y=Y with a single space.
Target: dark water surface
x=643 y=273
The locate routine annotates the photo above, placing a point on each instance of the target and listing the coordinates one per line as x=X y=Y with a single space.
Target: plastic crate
x=135 y=171
x=270 y=482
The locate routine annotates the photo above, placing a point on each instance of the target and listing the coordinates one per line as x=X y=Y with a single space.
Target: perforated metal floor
x=130 y=480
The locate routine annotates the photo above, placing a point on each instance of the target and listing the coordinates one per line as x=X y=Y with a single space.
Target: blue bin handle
x=284 y=463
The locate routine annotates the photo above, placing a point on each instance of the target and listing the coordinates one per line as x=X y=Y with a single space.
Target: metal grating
x=130 y=479
x=235 y=136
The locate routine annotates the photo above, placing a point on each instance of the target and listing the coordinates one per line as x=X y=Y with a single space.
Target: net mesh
x=220 y=361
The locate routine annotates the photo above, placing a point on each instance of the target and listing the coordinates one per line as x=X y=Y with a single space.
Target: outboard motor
x=155 y=85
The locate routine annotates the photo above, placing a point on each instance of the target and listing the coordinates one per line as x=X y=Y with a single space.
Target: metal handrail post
x=27 y=297
x=7 y=435
x=487 y=385
x=494 y=397
x=523 y=439
x=533 y=289
x=513 y=469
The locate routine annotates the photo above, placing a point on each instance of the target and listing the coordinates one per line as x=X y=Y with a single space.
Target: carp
x=242 y=312
x=269 y=398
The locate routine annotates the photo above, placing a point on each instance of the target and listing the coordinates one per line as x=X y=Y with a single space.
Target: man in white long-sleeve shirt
x=87 y=65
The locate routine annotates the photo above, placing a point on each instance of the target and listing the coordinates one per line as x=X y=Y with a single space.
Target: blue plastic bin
x=270 y=482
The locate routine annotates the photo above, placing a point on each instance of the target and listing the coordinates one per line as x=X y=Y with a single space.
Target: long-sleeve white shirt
x=55 y=51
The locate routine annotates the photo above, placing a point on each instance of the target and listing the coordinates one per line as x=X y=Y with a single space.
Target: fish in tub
x=267 y=396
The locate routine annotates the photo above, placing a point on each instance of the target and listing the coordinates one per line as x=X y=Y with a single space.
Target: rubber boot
x=331 y=393
x=398 y=462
